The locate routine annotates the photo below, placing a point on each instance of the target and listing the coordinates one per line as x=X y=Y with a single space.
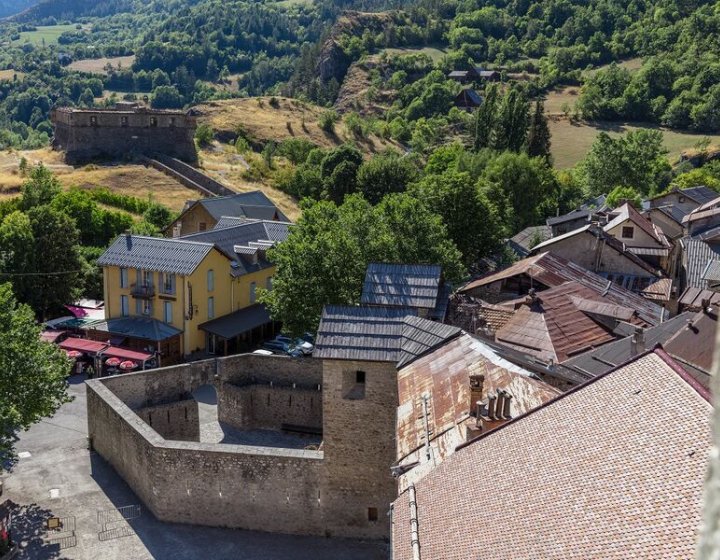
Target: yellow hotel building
x=190 y=294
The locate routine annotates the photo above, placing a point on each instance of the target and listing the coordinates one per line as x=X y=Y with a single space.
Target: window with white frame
x=211 y=280
x=124 y=306
x=211 y=307
x=124 y=278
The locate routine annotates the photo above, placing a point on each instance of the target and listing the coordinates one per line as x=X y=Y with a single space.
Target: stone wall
x=256 y=488
x=85 y=135
x=359 y=445
x=194 y=177
x=174 y=421
x=269 y=407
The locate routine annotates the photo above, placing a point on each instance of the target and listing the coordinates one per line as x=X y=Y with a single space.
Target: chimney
x=637 y=341
x=506 y=405
x=476 y=388
x=491 y=406
x=705 y=305
x=499 y=405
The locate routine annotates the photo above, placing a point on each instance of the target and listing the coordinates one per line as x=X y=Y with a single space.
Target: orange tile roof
x=611 y=470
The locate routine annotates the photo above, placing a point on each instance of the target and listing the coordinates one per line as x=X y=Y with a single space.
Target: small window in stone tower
x=153 y=121
x=360 y=377
x=93 y=121
x=172 y=122
x=353 y=385
x=123 y=121
x=372 y=514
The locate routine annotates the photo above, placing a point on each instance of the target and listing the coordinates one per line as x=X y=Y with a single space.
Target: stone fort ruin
x=320 y=469
x=128 y=130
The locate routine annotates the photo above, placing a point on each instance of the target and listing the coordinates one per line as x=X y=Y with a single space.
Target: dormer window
x=628 y=232
x=681 y=199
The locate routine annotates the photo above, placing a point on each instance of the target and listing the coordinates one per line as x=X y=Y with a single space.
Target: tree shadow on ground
x=29 y=529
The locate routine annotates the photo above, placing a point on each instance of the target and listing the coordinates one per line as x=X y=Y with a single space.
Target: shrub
x=204 y=134
x=328 y=119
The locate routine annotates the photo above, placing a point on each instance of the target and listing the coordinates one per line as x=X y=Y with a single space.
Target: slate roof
x=700 y=194
x=521 y=242
x=253 y=204
x=611 y=355
x=613 y=469
x=671 y=211
x=402 y=285
x=226 y=239
x=179 y=256
x=382 y=334
x=234 y=324
x=548 y=270
x=696 y=256
x=136 y=327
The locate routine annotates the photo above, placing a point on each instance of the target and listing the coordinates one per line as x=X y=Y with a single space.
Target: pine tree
x=511 y=129
x=485 y=118
x=538 y=143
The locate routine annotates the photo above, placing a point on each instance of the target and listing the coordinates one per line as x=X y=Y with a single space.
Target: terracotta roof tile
x=612 y=470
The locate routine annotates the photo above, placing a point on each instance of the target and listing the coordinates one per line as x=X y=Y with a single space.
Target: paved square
x=56 y=476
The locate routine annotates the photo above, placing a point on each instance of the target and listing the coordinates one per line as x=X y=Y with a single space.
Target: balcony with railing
x=142 y=291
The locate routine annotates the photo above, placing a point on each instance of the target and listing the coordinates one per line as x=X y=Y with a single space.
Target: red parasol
x=112 y=362
x=74 y=354
x=127 y=365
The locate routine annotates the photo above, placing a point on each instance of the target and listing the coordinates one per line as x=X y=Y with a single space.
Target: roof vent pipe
x=506 y=405
x=491 y=406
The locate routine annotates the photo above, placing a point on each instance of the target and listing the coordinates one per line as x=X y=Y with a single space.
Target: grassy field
x=572 y=140
x=138 y=180
x=48 y=33
x=435 y=53
x=289 y=119
x=97 y=65
x=11 y=74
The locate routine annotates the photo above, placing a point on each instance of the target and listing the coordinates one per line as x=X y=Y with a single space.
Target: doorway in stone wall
x=207 y=400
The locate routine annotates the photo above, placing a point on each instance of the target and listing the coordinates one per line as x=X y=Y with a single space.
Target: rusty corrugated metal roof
x=444 y=377
x=556 y=325
x=548 y=271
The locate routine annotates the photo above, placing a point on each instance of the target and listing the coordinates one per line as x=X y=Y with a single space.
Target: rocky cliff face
x=333 y=62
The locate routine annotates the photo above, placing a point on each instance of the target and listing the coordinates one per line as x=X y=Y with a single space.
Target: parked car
x=261 y=352
x=276 y=346
x=304 y=346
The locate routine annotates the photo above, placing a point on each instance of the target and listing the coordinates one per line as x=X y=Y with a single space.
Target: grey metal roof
x=700 y=194
x=231 y=221
x=145 y=328
x=611 y=355
x=570 y=216
x=254 y=204
x=226 y=239
x=712 y=271
x=522 y=241
x=160 y=254
x=671 y=211
x=402 y=285
x=234 y=324
x=697 y=254
x=380 y=334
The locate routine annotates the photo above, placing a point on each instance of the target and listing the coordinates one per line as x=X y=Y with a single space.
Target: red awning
x=83 y=345
x=51 y=336
x=126 y=354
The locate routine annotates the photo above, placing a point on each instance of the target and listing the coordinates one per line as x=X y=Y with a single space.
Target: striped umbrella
x=112 y=362
x=74 y=354
x=128 y=365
